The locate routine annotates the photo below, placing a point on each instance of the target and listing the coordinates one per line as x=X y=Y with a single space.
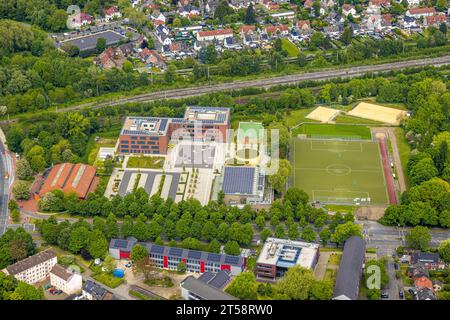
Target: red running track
x=387 y=172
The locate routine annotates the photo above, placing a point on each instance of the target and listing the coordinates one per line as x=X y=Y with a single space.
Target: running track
x=387 y=172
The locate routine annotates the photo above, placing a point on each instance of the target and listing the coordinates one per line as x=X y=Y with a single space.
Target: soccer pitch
x=331 y=171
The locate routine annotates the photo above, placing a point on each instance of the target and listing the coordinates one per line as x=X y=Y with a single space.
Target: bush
x=21 y=190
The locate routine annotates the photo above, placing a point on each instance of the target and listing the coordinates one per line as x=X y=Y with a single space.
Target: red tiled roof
x=347 y=7
x=210 y=33
x=380 y=2
x=246 y=29
x=274 y=6
x=69 y=177
x=308 y=4
x=421 y=10
x=110 y=11
x=85 y=17
x=302 y=23
x=436 y=19
x=423 y=282
x=273 y=29
x=157 y=22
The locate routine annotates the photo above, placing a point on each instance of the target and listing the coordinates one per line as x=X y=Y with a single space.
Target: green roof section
x=250 y=131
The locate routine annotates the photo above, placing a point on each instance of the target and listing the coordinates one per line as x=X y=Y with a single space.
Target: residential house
x=278 y=29
x=65 y=280
x=431 y=261
x=386 y=20
x=380 y=3
x=211 y=35
x=373 y=22
x=34 y=268
x=94 y=291
x=350 y=269
x=348 y=9
x=423 y=282
x=111 y=58
x=80 y=20
x=308 y=4
x=112 y=13
x=413 y=3
x=157 y=15
x=162 y=35
x=152 y=58
x=231 y=44
x=303 y=25
x=420 y=12
x=425 y=294
x=435 y=20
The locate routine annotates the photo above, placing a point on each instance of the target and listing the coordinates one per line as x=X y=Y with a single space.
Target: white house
x=421 y=12
x=348 y=9
x=214 y=34
x=33 y=269
x=67 y=281
x=283 y=15
x=112 y=13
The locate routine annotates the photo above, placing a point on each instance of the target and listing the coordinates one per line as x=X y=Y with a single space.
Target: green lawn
x=108 y=279
x=291 y=48
x=330 y=275
x=338 y=172
x=296 y=117
x=145 y=162
x=346 y=119
x=334 y=131
x=334 y=259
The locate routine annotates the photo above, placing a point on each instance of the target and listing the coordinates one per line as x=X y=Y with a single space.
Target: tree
x=23 y=169
x=78 y=239
x=301 y=60
x=325 y=235
x=243 y=286
x=97 y=244
x=265 y=233
x=419 y=238
x=109 y=264
x=21 y=190
x=308 y=234
x=15 y=215
x=101 y=45
x=321 y=290
x=24 y=291
x=250 y=15
x=441 y=158
x=293 y=231
x=345 y=231
x=213 y=246
x=296 y=196
x=260 y=221
x=169 y=75
x=279 y=179
x=296 y=283
x=222 y=10
x=444 y=250
x=347 y=35
x=181 y=267
x=422 y=171
x=232 y=248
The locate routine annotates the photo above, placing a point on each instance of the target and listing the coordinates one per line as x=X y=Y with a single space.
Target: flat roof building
x=204 y=287
x=278 y=255
x=243 y=185
x=151 y=135
x=67 y=177
x=169 y=257
x=350 y=269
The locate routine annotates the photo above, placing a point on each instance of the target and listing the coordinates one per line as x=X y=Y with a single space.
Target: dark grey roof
x=350 y=269
x=30 y=262
x=89 y=42
x=204 y=291
x=94 y=289
x=61 y=272
x=425 y=257
x=123 y=244
x=238 y=180
x=217 y=280
x=425 y=294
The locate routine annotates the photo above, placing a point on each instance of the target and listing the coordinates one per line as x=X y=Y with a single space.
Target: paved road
x=6 y=166
x=267 y=82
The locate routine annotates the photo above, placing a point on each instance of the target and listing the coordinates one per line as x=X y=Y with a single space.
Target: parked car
x=400 y=294
x=384 y=295
x=395 y=266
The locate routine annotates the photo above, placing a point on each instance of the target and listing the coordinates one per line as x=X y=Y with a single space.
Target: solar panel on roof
x=192 y=254
x=163 y=124
x=157 y=249
x=220 y=280
x=119 y=243
x=231 y=259
x=238 y=180
x=177 y=252
x=214 y=257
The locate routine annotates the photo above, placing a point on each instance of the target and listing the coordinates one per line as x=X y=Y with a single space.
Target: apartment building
x=33 y=269
x=65 y=280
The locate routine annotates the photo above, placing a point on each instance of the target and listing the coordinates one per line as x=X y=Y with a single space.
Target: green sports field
x=347 y=172
x=334 y=131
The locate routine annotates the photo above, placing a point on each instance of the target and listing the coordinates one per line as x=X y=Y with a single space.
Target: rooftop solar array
x=207 y=276
x=177 y=252
x=122 y=244
x=157 y=249
x=231 y=259
x=238 y=180
x=214 y=257
x=192 y=254
x=220 y=279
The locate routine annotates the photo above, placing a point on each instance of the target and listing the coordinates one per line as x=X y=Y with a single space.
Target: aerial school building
x=151 y=135
x=169 y=257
